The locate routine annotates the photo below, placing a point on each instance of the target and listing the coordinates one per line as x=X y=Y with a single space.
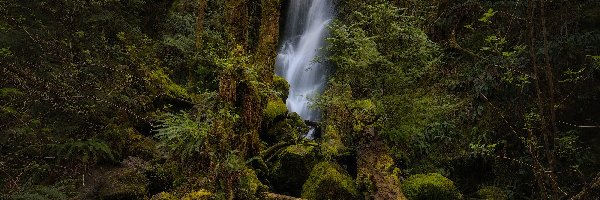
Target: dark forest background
x=177 y=99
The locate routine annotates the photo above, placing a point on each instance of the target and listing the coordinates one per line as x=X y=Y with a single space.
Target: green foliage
x=63 y=189
x=181 y=134
x=429 y=186
x=290 y=129
x=486 y=18
x=198 y=195
x=87 y=151
x=40 y=193
x=328 y=181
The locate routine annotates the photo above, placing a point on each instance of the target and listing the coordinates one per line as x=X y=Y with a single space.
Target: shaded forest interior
x=177 y=99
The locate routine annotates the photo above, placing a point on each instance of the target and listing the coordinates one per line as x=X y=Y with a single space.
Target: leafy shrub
x=430 y=186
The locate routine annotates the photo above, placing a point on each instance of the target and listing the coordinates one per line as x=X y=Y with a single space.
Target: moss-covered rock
x=329 y=181
x=274 y=109
x=430 y=186
x=292 y=168
x=281 y=86
x=492 y=193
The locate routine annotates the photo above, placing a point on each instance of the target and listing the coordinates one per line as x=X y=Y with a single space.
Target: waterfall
x=304 y=34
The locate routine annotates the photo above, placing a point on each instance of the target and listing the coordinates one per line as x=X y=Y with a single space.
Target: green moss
x=430 y=186
x=198 y=195
x=292 y=168
x=331 y=142
x=275 y=108
x=165 y=84
x=328 y=181
x=281 y=86
x=492 y=193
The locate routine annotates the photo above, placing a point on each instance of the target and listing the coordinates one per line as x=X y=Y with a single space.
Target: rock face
x=292 y=169
x=329 y=181
x=430 y=186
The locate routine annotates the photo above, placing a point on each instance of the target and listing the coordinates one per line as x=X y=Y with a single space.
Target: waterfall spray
x=304 y=35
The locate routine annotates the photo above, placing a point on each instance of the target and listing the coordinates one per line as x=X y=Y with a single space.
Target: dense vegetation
x=177 y=99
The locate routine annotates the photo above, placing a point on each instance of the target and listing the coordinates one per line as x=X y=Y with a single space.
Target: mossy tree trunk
x=376 y=171
x=200 y=22
x=237 y=22
x=269 y=36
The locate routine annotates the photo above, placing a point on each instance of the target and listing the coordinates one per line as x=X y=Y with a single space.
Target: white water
x=305 y=30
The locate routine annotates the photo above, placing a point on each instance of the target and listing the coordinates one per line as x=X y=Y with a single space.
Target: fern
x=181 y=135
x=88 y=151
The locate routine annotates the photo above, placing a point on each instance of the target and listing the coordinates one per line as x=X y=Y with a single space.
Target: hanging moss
x=430 y=186
x=329 y=181
x=292 y=168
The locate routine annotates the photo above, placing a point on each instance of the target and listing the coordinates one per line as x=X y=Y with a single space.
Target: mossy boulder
x=430 y=186
x=275 y=108
x=492 y=193
x=281 y=86
x=292 y=168
x=329 y=181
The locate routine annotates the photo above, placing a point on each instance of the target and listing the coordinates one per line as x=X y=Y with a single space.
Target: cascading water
x=305 y=30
